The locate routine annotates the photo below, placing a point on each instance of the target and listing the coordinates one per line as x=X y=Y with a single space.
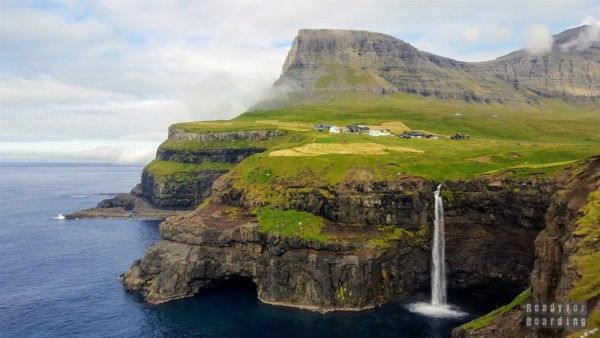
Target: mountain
x=340 y=60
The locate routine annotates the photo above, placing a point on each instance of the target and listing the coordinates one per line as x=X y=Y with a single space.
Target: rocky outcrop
x=555 y=274
x=181 y=135
x=570 y=70
x=124 y=206
x=166 y=187
x=223 y=155
x=491 y=222
x=183 y=190
x=340 y=60
x=218 y=243
x=491 y=226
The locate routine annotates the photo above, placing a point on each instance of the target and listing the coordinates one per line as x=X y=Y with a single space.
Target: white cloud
x=471 y=34
x=120 y=155
x=586 y=37
x=120 y=152
x=538 y=39
x=122 y=71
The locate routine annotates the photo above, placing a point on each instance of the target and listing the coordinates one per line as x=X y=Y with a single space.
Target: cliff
x=188 y=162
x=342 y=221
x=342 y=60
x=567 y=255
x=371 y=247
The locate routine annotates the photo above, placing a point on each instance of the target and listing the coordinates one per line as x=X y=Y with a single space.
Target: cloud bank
x=117 y=73
x=585 y=38
x=538 y=39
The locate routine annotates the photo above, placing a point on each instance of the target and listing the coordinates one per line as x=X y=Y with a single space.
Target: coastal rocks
x=124 y=206
x=197 y=252
x=402 y=202
x=183 y=190
x=491 y=225
x=186 y=188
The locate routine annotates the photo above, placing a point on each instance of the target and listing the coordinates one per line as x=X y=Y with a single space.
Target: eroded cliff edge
x=182 y=174
x=373 y=246
x=566 y=267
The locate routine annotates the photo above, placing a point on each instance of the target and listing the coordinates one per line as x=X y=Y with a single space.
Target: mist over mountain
x=341 y=60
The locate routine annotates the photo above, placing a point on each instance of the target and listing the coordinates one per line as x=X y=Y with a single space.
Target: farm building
x=321 y=127
x=357 y=128
x=334 y=130
x=417 y=134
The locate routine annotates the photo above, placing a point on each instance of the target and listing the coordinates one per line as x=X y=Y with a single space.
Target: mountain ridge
x=340 y=60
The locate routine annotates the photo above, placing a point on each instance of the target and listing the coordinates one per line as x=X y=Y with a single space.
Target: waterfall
x=438 y=254
x=438 y=306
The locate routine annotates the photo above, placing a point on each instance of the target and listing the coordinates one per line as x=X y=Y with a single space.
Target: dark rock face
x=286 y=271
x=491 y=227
x=213 y=155
x=403 y=202
x=184 y=192
x=553 y=275
x=187 y=190
x=491 y=224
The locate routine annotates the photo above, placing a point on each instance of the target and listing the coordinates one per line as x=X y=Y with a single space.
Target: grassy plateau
x=524 y=139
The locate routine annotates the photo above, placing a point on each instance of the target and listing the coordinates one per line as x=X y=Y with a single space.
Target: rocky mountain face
x=338 y=60
x=491 y=227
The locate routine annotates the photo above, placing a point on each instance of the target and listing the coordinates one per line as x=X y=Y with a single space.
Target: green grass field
x=521 y=139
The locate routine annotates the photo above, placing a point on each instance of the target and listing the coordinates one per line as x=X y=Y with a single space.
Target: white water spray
x=438 y=254
x=437 y=307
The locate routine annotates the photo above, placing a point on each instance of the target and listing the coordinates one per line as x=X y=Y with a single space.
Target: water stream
x=438 y=254
x=438 y=306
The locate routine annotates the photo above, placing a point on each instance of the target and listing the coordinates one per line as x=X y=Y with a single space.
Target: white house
x=334 y=130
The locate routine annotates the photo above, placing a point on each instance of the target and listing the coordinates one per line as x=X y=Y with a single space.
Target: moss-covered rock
x=174 y=185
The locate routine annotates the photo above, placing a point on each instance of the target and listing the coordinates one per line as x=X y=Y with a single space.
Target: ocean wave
x=59 y=216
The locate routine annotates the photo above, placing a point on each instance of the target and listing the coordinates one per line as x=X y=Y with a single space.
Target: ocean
x=61 y=278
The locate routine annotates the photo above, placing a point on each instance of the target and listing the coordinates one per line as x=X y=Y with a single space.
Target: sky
x=101 y=81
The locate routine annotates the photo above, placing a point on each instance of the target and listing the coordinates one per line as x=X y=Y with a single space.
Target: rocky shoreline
x=125 y=205
x=216 y=243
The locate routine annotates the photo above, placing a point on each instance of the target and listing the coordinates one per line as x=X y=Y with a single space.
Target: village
x=366 y=130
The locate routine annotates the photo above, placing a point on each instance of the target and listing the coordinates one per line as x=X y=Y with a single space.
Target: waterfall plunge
x=438 y=306
x=438 y=254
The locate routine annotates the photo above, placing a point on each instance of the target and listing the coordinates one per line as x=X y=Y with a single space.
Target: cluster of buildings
x=351 y=129
x=362 y=129
x=417 y=134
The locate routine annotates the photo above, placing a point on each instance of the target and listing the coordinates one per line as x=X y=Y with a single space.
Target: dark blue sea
x=60 y=278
